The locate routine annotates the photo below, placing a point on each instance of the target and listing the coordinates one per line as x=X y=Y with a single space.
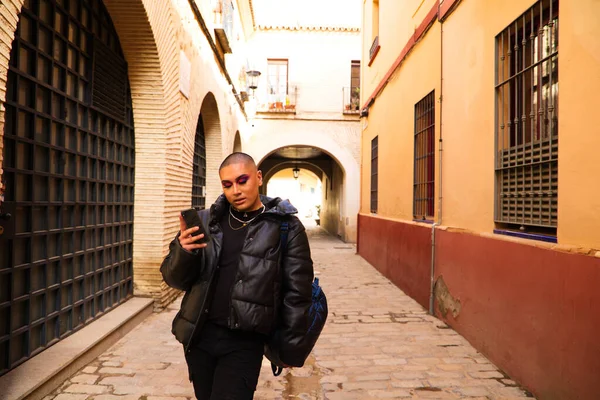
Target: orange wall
x=467 y=126
x=397 y=23
x=391 y=118
x=579 y=166
x=468 y=111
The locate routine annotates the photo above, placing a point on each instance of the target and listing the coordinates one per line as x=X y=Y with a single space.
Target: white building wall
x=319 y=67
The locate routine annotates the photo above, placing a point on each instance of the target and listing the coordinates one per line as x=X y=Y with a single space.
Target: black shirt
x=234 y=235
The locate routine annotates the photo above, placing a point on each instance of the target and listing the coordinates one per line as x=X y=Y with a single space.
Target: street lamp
x=296 y=172
x=253 y=76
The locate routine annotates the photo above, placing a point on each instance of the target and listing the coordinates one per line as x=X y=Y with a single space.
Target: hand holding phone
x=193 y=235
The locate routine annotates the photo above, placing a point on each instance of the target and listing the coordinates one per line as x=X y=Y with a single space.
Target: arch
x=155 y=104
x=199 y=167
x=348 y=164
x=237 y=142
x=209 y=111
x=344 y=159
x=315 y=169
x=88 y=147
x=145 y=30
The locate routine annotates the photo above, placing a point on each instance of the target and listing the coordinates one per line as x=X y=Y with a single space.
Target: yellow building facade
x=488 y=218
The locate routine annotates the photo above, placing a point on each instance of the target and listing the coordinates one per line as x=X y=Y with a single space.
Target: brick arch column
x=146 y=35
x=146 y=32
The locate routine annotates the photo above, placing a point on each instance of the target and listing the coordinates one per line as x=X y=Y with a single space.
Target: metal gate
x=66 y=251
x=199 y=175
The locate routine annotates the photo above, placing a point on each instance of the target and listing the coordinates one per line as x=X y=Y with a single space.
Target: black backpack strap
x=276 y=370
x=284 y=231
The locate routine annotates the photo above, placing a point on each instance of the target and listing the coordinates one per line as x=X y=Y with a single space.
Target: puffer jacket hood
x=273 y=287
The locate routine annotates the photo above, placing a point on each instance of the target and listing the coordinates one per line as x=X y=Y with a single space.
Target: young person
x=240 y=287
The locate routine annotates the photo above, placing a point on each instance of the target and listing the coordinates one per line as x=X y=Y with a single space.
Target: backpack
x=317 y=315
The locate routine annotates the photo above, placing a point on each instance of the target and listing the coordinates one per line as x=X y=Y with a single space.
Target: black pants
x=225 y=364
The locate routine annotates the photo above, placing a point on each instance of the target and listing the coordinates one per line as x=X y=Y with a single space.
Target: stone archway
x=270 y=171
x=154 y=104
x=214 y=146
x=339 y=175
x=76 y=115
x=145 y=29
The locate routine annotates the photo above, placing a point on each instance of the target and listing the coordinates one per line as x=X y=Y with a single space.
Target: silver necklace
x=231 y=226
x=244 y=223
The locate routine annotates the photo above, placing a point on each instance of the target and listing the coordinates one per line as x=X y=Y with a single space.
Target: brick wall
x=145 y=30
x=152 y=34
x=9 y=11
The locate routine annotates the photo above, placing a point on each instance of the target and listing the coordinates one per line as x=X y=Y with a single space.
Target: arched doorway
x=329 y=171
x=211 y=121
x=199 y=168
x=66 y=253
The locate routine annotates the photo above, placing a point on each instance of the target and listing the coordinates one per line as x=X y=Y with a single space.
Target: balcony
x=279 y=103
x=351 y=100
x=223 y=24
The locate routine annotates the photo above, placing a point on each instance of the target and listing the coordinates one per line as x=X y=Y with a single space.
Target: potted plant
x=318 y=219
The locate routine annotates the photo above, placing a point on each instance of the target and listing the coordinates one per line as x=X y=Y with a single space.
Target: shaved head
x=241 y=181
x=238 y=158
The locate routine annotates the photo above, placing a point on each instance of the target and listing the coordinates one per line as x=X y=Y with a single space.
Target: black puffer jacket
x=265 y=297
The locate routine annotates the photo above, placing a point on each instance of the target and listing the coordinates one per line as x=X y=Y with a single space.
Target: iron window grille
x=199 y=172
x=374 y=49
x=67 y=257
x=424 y=169
x=374 y=172
x=526 y=143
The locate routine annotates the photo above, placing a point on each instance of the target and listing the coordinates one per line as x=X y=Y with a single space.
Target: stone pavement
x=378 y=343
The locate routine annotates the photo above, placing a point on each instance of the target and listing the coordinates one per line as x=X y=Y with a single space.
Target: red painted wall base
x=401 y=252
x=534 y=312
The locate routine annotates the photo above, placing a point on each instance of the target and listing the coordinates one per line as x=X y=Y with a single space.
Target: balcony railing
x=224 y=24
x=374 y=49
x=351 y=100
x=279 y=103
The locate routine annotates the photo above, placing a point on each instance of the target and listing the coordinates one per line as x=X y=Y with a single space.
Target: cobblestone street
x=378 y=343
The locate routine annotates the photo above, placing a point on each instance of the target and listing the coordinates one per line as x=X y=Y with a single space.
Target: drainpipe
x=432 y=283
x=440 y=150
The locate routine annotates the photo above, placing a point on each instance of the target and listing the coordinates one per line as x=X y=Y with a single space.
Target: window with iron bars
x=526 y=159
x=199 y=171
x=424 y=173
x=374 y=172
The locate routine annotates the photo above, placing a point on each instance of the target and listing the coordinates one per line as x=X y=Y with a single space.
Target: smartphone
x=192 y=219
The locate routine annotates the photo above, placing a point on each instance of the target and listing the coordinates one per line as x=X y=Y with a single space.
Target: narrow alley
x=378 y=343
